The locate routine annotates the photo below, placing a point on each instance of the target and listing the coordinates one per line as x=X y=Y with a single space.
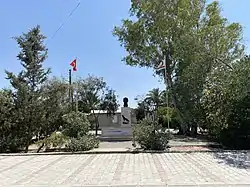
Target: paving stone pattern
x=168 y=169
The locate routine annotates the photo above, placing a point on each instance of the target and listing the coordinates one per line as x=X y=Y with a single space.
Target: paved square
x=169 y=169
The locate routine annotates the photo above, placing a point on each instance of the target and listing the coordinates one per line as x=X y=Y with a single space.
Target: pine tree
x=27 y=85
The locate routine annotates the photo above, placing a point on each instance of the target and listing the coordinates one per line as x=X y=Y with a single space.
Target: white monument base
x=117 y=133
x=125 y=117
x=122 y=132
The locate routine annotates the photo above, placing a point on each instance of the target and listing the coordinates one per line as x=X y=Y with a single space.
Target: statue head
x=125 y=102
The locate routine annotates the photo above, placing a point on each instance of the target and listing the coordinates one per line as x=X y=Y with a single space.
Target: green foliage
x=206 y=86
x=55 y=105
x=12 y=143
x=155 y=103
x=226 y=104
x=155 y=97
x=6 y=104
x=191 y=37
x=83 y=143
x=109 y=102
x=237 y=134
x=75 y=125
x=12 y=139
x=149 y=138
x=150 y=104
x=90 y=91
x=55 y=140
x=26 y=93
x=170 y=114
x=35 y=107
x=140 y=111
x=50 y=109
x=93 y=94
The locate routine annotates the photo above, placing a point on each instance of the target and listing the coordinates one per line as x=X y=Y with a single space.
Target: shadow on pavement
x=116 y=141
x=198 y=138
x=238 y=159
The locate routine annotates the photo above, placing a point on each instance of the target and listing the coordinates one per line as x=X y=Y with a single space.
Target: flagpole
x=71 y=95
x=77 y=93
x=70 y=85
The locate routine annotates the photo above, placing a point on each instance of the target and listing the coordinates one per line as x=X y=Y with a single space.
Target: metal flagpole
x=71 y=90
x=70 y=86
x=77 y=92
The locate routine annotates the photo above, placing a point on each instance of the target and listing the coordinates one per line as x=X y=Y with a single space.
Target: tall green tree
x=192 y=38
x=54 y=105
x=89 y=91
x=141 y=111
x=8 y=130
x=27 y=85
x=226 y=103
x=94 y=96
x=109 y=102
x=155 y=97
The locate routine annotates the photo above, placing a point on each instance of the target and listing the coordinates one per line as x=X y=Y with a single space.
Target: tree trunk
x=181 y=131
x=27 y=146
x=96 y=128
x=194 y=129
x=168 y=76
x=39 y=149
x=28 y=141
x=96 y=125
x=96 y=116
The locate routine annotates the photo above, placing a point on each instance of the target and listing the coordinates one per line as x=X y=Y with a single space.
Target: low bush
x=83 y=143
x=55 y=140
x=11 y=144
x=149 y=137
x=237 y=134
x=11 y=137
x=170 y=114
x=76 y=124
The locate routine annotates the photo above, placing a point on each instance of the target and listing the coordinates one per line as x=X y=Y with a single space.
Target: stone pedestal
x=126 y=117
x=117 y=133
x=122 y=132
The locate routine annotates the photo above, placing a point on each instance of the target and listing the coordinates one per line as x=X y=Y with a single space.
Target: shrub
x=237 y=134
x=10 y=135
x=76 y=125
x=226 y=102
x=55 y=140
x=149 y=138
x=170 y=114
x=84 y=143
x=11 y=144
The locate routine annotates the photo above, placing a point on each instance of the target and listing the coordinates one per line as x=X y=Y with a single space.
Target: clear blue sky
x=87 y=36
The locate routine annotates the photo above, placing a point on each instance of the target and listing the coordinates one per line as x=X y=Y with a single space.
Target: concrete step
x=115 y=138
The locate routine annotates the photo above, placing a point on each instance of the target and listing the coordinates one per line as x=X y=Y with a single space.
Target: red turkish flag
x=73 y=64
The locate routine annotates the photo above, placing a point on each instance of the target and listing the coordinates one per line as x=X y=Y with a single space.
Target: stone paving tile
x=190 y=148
x=168 y=169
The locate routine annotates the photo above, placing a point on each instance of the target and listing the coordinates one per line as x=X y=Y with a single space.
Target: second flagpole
x=77 y=88
x=70 y=89
x=72 y=94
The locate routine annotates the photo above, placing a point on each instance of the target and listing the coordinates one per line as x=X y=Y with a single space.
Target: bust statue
x=125 y=102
